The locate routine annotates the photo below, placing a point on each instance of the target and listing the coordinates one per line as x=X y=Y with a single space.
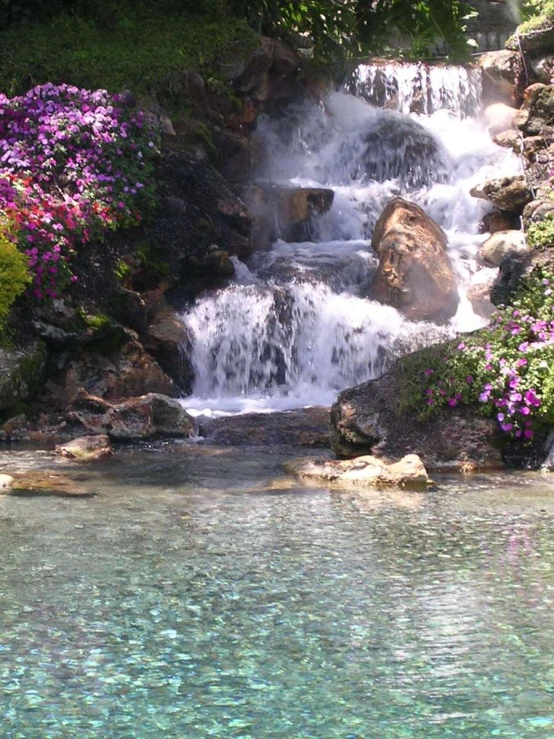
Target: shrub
x=14 y=276
x=73 y=163
x=541 y=234
x=507 y=370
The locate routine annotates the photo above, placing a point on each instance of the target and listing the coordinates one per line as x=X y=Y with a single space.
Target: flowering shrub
x=73 y=163
x=507 y=369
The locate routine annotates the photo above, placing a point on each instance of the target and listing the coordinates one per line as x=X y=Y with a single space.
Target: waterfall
x=295 y=326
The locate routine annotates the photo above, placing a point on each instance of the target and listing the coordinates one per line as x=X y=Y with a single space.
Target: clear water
x=203 y=593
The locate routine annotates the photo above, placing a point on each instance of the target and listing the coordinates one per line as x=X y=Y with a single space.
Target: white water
x=296 y=326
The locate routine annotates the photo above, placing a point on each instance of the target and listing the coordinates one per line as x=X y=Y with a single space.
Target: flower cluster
x=507 y=369
x=73 y=163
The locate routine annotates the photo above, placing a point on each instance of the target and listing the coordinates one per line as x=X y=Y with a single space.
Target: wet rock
x=510 y=139
x=499 y=245
x=279 y=211
x=414 y=273
x=499 y=221
x=368 y=419
x=479 y=297
x=367 y=471
x=6 y=482
x=238 y=156
x=543 y=67
x=307 y=427
x=533 y=43
x=499 y=117
x=536 y=115
x=270 y=72
x=45 y=482
x=500 y=73
x=86 y=448
x=169 y=342
x=507 y=193
x=144 y=417
x=20 y=373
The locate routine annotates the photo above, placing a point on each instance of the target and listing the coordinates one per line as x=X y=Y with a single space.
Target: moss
x=135 y=53
x=152 y=261
x=94 y=322
x=540 y=15
x=122 y=270
x=541 y=234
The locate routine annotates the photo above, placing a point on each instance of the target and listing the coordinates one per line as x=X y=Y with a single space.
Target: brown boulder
x=536 y=115
x=167 y=339
x=414 y=273
x=500 y=72
x=44 y=482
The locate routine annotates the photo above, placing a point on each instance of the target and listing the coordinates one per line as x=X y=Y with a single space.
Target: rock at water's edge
x=86 y=448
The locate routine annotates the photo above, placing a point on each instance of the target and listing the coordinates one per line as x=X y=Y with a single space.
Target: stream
x=298 y=324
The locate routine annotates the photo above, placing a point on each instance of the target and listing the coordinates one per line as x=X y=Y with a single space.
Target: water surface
x=203 y=593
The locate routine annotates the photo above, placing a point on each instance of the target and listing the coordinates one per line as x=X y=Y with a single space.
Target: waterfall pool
x=202 y=593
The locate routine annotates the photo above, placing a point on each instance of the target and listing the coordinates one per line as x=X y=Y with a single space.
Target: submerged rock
x=44 y=482
x=369 y=471
x=86 y=448
x=414 y=274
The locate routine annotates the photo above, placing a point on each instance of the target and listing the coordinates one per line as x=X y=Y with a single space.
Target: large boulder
x=508 y=193
x=536 y=115
x=414 y=273
x=20 y=374
x=145 y=417
x=365 y=471
x=500 y=73
x=499 y=245
x=368 y=419
x=167 y=339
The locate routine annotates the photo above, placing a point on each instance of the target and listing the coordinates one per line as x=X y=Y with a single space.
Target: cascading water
x=295 y=327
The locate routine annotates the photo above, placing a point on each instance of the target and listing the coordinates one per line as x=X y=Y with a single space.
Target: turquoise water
x=203 y=594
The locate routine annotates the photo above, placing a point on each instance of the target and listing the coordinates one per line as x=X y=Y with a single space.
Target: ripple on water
x=203 y=594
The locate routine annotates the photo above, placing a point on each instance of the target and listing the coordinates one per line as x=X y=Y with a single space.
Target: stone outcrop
x=366 y=471
x=86 y=448
x=167 y=340
x=507 y=193
x=414 y=273
x=536 y=116
x=20 y=374
x=368 y=419
x=144 y=417
x=499 y=245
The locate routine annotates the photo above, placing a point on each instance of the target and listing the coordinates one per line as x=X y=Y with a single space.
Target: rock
x=543 y=67
x=86 y=448
x=533 y=43
x=536 y=115
x=20 y=373
x=414 y=273
x=368 y=471
x=499 y=117
x=497 y=220
x=538 y=210
x=6 y=482
x=515 y=267
x=168 y=341
x=479 y=297
x=508 y=193
x=44 y=482
x=500 y=73
x=136 y=418
x=501 y=243
x=368 y=419
x=280 y=211
x=238 y=156
x=270 y=73
x=306 y=427
x=510 y=139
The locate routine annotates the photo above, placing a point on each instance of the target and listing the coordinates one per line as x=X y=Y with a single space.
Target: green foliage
x=136 y=52
x=507 y=370
x=536 y=14
x=541 y=234
x=14 y=277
